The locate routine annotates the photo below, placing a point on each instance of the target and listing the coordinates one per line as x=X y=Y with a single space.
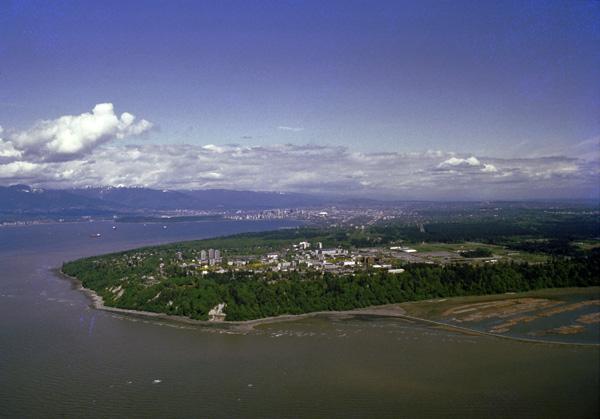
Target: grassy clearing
x=588 y=244
x=499 y=251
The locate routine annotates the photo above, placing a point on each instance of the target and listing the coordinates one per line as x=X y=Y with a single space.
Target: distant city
x=22 y=205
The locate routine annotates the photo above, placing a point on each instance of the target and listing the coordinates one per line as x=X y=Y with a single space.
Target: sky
x=392 y=99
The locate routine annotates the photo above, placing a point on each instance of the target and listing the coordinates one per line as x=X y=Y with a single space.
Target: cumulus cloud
x=457 y=162
x=466 y=164
x=21 y=170
x=489 y=168
x=8 y=151
x=72 y=136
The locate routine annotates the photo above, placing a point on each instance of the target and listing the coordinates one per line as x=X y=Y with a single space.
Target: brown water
x=58 y=357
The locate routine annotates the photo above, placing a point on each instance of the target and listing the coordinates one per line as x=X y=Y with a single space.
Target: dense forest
x=543 y=233
x=251 y=296
x=495 y=231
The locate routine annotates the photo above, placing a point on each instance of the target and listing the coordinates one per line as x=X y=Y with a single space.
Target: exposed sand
x=569 y=307
x=506 y=326
x=499 y=309
x=567 y=330
x=514 y=306
x=591 y=318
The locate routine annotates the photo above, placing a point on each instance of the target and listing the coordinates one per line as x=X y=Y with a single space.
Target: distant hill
x=138 y=198
x=223 y=198
x=145 y=198
x=23 y=199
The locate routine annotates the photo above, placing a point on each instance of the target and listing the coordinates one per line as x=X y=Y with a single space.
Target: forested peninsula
x=295 y=271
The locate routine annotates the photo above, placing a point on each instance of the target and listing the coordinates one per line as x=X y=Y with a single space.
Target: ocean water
x=61 y=358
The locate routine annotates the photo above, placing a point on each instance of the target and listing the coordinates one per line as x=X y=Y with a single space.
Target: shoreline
x=388 y=310
x=98 y=304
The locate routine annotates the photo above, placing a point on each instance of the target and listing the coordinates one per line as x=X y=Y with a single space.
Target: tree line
x=251 y=296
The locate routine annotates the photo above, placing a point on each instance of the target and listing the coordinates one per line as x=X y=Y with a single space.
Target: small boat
x=95 y=236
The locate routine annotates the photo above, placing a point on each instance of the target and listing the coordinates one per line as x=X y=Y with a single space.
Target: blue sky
x=500 y=81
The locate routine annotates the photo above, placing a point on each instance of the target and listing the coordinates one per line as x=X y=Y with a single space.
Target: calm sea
x=60 y=358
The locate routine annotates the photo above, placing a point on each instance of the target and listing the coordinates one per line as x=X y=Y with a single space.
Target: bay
x=61 y=358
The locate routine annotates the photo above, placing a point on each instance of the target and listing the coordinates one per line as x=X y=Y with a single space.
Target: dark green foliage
x=249 y=296
x=480 y=252
x=494 y=231
x=556 y=247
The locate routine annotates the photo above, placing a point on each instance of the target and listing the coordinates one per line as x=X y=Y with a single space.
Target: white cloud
x=19 y=170
x=7 y=150
x=74 y=135
x=459 y=166
x=215 y=148
x=489 y=168
x=455 y=161
x=293 y=129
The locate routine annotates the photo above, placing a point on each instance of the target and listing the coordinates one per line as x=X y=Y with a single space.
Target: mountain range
x=24 y=199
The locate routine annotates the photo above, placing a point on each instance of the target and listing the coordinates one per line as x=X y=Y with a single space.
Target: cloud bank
x=76 y=151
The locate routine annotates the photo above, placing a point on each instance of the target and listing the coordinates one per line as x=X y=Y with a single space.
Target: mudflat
x=568 y=311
